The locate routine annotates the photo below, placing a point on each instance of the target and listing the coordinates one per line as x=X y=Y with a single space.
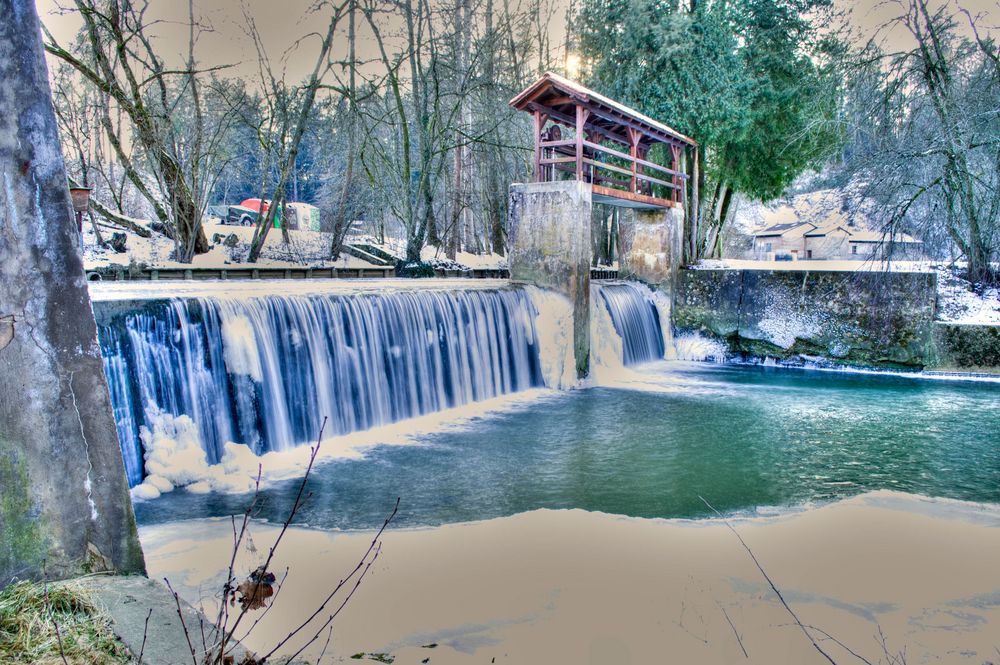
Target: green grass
x=28 y=634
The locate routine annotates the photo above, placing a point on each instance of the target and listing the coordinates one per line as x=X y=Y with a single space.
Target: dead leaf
x=254 y=592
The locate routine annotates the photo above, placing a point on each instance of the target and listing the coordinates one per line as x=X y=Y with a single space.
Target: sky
x=283 y=22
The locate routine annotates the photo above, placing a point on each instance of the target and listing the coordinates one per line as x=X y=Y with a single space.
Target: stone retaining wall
x=867 y=319
x=966 y=348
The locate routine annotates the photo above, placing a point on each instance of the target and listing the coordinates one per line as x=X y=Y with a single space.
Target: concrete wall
x=650 y=246
x=64 y=502
x=866 y=319
x=550 y=247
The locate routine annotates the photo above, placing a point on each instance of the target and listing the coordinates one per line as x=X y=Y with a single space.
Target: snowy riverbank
x=579 y=587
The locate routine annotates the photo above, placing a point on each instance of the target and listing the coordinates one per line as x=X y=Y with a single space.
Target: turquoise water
x=747 y=439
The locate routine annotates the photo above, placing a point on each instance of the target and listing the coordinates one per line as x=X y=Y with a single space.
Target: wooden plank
x=631 y=196
x=597 y=177
x=557 y=160
x=558 y=144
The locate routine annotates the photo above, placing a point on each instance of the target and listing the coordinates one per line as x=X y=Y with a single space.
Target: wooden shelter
x=609 y=146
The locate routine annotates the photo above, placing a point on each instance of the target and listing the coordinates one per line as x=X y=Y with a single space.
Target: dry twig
x=774 y=587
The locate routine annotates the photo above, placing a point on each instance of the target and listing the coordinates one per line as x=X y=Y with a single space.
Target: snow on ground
x=310 y=248
x=305 y=248
x=438 y=258
x=816 y=265
x=959 y=303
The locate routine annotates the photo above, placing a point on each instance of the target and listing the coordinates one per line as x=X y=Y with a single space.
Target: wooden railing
x=582 y=159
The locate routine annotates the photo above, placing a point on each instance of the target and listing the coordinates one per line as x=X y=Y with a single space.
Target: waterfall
x=636 y=319
x=265 y=371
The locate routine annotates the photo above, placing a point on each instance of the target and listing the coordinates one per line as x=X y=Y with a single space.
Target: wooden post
x=682 y=154
x=539 y=121
x=633 y=138
x=581 y=120
x=641 y=152
x=695 y=182
x=675 y=164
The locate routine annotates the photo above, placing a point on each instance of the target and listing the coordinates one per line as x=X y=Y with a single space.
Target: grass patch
x=28 y=634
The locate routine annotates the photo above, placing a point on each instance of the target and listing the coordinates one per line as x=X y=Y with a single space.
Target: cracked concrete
x=63 y=494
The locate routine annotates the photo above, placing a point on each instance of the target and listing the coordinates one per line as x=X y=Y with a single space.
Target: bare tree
x=166 y=116
x=289 y=117
x=926 y=139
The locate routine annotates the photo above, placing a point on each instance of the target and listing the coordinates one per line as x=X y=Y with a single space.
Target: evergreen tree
x=747 y=80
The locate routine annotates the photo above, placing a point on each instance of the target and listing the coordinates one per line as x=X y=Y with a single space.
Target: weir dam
x=213 y=367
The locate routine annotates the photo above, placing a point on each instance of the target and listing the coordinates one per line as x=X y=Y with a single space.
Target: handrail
x=642 y=162
x=556 y=144
x=638 y=176
x=595 y=177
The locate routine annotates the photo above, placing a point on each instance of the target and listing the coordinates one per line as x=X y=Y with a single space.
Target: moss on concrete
x=23 y=545
x=967 y=348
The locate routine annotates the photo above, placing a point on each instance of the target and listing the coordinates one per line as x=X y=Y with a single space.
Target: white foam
x=240 y=347
x=174 y=456
x=607 y=364
x=695 y=346
x=554 y=337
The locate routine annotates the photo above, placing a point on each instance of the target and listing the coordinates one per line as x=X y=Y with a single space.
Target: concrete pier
x=64 y=501
x=550 y=248
x=650 y=245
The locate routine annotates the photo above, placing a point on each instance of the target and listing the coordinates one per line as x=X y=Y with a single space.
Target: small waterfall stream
x=636 y=319
x=265 y=371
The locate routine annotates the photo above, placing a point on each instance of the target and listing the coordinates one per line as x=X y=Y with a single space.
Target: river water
x=749 y=440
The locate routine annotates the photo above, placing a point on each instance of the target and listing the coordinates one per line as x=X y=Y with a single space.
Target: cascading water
x=265 y=371
x=636 y=319
x=696 y=347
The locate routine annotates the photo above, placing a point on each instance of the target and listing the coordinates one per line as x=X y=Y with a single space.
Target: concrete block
x=650 y=246
x=550 y=248
x=64 y=501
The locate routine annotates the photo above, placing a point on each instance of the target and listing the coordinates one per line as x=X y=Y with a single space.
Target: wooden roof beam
x=570 y=121
x=624 y=122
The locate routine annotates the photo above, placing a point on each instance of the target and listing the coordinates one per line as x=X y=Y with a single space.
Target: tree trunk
x=727 y=200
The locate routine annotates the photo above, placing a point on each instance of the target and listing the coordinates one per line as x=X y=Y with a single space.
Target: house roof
x=830 y=229
x=782 y=229
x=879 y=237
x=556 y=92
x=811 y=230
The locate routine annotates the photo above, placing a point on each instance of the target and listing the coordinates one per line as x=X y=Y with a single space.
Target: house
x=819 y=226
x=804 y=241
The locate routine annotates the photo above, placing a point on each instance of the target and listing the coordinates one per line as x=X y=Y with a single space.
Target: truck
x=298 y=216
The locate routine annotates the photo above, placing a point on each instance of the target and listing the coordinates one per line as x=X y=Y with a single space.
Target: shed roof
x=559 y=94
